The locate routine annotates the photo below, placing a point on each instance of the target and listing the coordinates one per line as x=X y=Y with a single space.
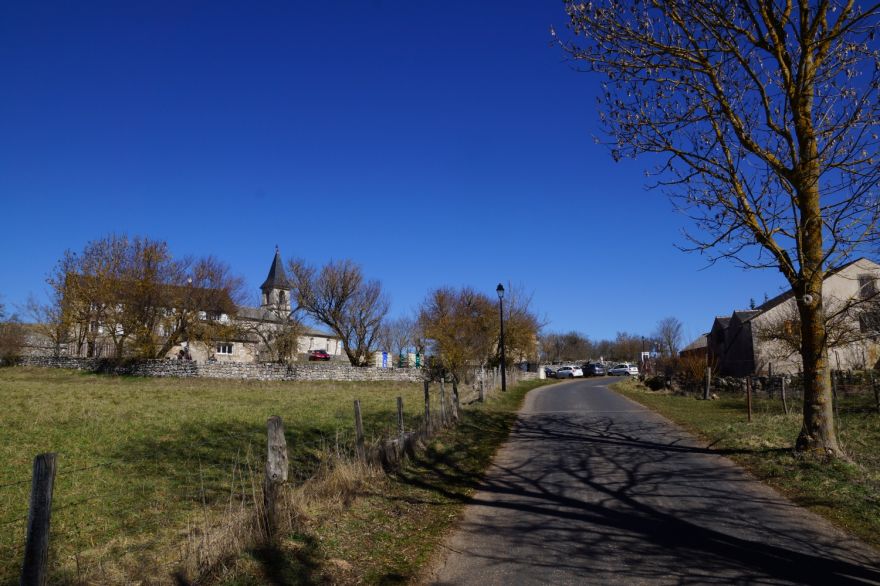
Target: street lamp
x=500 y=291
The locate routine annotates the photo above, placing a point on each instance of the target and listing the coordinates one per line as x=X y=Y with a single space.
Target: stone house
x=764 y=340
x=250 y=331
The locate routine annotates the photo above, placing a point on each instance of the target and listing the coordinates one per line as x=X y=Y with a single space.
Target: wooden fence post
x=276 y=470
x=454 y=400
x=749 y=396
x=708 y=382
x=482 y=395
x=782 y=390
x=876 y=391
x=428 y=407
x=35 y=569
x=400 y=430
x=359 y=432
x=442 y=402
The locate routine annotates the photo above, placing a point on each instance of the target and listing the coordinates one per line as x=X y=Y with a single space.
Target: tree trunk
x=818 y=434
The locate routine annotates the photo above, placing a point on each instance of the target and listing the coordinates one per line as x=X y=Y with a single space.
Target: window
x=867 y=286
x=224 y=348
x=281 y=298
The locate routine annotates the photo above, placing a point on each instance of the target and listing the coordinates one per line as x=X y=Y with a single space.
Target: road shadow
x=622 y=498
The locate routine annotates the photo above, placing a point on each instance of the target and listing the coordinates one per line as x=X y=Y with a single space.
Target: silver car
x=569 y=372
x=624 y=369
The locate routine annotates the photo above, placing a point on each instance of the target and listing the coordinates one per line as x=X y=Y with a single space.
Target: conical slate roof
x=277 y=279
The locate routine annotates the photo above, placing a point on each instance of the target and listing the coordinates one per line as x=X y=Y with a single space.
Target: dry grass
x=158 y=473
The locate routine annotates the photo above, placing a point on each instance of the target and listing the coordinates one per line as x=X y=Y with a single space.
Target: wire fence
x=166 y=506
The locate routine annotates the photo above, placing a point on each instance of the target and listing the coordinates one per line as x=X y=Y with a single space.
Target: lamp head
x=500 y=290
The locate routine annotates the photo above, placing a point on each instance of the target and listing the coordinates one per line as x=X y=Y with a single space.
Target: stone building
x=765 y=339
x=251 y=334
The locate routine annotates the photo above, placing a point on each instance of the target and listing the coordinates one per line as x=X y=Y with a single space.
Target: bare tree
x=765 y=116
x=397 y=335
x=669 y=334
x=341 y=298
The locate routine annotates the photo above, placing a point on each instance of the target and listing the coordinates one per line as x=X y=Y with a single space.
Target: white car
x=569 y=372
x=624 y=369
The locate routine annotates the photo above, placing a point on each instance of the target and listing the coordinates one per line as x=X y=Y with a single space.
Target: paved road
x=594 y=489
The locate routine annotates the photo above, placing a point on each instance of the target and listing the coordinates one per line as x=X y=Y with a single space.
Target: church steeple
x=276 y=287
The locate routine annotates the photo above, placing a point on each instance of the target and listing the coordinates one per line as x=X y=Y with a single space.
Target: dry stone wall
x=228 y=370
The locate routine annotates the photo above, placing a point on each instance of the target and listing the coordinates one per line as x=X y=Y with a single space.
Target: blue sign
x=384 y=359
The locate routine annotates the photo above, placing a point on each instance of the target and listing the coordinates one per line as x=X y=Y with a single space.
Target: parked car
x=319 y=355
x=624 y=369
x=593 y=369
x=569 y=372
x=549 y=372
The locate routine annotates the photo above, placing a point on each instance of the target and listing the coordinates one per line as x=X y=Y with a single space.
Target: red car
x=318 y=355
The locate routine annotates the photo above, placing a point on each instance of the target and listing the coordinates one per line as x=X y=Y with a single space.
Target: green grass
x=393 y=527
x=142 y=461
x=847 y=493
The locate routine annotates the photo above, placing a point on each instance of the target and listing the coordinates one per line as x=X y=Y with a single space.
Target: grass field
x=847 y=493
x=142 y=462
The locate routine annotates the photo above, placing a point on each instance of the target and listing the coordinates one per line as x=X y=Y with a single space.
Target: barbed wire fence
x=182 y=510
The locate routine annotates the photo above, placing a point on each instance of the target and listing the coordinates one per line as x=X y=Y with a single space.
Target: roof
x=162 y=295
x=277 y=278
x=745 y=315
x=270 y=316
x=782 y=297
x=700 y=342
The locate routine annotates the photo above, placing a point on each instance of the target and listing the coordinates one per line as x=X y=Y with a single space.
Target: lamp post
x=500 y=291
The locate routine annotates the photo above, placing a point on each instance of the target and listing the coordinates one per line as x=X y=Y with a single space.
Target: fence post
x=359 y=431
x=708 y=382
x=442 y=402
x=455 y=400
x=782 y=390
x=400 y=430
x=482 y=391
x=749 y=396
x=276 y=470
x=35 y=569
x=428 y=407
x=876 y=391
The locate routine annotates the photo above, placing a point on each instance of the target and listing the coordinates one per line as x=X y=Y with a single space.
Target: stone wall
x=228 y=370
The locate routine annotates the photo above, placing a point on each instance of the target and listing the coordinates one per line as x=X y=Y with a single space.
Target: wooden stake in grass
x=455 y=400
x=708 y=382
x=35 y=570
x=400 y=430
x=876 y=391
x=749 y=396
x=428 y=407
x=276 y=470
x=784 y=403
x=482 y=391
x=359 y=432
x=442 y=403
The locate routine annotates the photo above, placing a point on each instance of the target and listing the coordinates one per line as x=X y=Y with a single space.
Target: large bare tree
x=764 y=118
x=343 y=299
x=669 y=335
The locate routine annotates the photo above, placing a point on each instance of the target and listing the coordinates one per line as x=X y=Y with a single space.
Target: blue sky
x=434 y=143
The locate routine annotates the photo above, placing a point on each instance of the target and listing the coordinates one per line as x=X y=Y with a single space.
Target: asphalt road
x=595 y=489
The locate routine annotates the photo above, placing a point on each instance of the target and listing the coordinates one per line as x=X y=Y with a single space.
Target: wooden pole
x=428 y=407
x=442 y=402
x=35 y=569
x=784 y=403
x=749 y=396
x=359 y=432
x=708 y=382
x=454 y=400
x=400 y=430
x=876 y=391
x=276 y=470
x=482 y=391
